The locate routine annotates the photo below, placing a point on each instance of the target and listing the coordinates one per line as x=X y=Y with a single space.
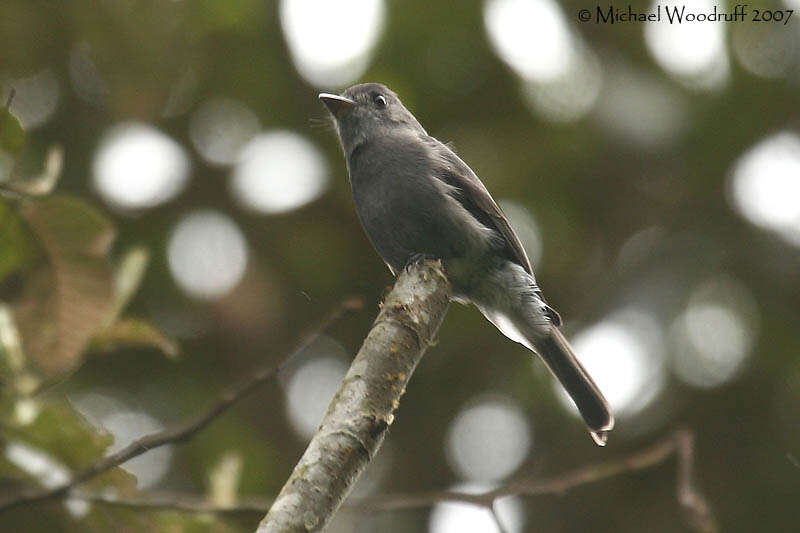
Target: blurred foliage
x=56 y=272
x=12 y=136
x=67 y=297
x=18 y=247
x=56 y=261
x=620 y=224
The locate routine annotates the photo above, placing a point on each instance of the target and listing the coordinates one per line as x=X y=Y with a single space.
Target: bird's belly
x=406 y=220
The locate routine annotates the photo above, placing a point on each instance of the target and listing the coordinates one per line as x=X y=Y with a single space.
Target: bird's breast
x=405 y=210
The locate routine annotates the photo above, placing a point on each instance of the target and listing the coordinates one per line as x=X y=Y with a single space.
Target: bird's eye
x=380 y=101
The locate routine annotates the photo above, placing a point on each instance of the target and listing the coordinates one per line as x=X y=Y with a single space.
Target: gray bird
x=417 y=199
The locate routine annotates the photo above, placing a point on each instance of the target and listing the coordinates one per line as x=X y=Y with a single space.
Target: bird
x=416 y=199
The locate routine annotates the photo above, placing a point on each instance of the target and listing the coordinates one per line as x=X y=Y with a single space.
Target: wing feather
x=477 y=200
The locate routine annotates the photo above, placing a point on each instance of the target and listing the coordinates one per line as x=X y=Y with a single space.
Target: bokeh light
x=640 y=108
x=693 y=52
x=126 y=425
x=454 y=517
x=714 y=335
x=561 y=77
x=531 y=36
x=768 y=51
x=46 y=469
x=331 y=42
x=571 y=96
x=310 y=389
x=277 y=172
x=488 y=439
x=765 y=185
x=36 y=98
x=220 y=128
x=207 y=254
x=624 y=354
x=137 y=166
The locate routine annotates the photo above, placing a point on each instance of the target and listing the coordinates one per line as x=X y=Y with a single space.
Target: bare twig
x=496 y=518
x=185 y=430
x=167 y=501
x=11 y=94
x=694 y=505
x=363 y=409
x=679 y=445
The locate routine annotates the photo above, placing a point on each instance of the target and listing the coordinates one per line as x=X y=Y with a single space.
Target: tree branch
x=363 y=409
x=404 y=328
x=185 y=430
x=693 y=504
x=680 y=445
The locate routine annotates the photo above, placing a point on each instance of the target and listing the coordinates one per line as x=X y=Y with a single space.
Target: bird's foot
x=415 y=259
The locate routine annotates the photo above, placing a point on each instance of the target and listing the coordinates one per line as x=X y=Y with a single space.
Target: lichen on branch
x=362 y=410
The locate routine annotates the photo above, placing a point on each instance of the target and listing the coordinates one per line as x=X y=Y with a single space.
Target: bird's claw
x=415 y=259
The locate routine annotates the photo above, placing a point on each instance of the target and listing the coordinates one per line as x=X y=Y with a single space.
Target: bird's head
x=366 y=111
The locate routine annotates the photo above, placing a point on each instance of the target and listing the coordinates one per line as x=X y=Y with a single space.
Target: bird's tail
x=510 y=299
x=556 y=352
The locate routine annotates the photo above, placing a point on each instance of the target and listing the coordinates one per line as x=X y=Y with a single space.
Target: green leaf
x=62 y=434
x=12 y=136
x=69 y=297
x=57 y=443
x=25 y=178
x=128 y=276
x=17 y=246
x=133 y=333
x=12 y=360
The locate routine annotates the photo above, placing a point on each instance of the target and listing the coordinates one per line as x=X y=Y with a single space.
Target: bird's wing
x=477 y=200
x=472 y=194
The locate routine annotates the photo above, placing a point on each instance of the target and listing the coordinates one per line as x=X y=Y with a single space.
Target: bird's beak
x=336 y=103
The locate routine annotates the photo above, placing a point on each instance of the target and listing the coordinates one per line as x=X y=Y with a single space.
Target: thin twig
x=187 y=429
x=694 y=505
x=681 y=445
x=532 y=486
x=496 y=518
x=11 y=94
x=165 y=501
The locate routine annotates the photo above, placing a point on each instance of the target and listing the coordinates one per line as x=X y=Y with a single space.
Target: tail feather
x=509 y=298
x=556 y=352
